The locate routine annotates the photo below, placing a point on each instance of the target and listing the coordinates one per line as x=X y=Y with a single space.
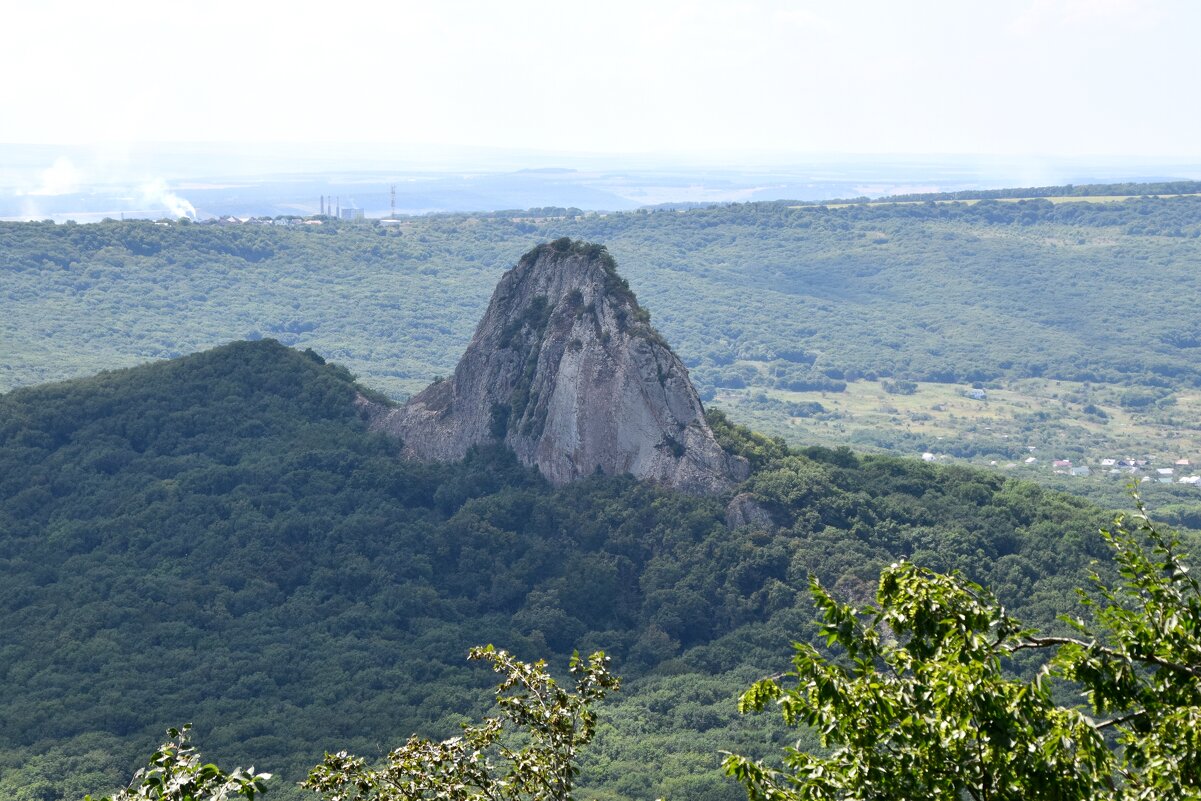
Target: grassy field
x=1030 y=419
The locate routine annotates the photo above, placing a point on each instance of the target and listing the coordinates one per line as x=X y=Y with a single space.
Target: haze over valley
x=207 y=181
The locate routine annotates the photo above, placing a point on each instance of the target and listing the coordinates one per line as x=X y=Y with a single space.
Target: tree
x=921 y=703
x=1139 y=661
x=175 y=773
x=921 y=708
x=487 y=763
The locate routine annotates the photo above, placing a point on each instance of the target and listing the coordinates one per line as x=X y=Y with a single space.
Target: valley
x=214 y=531
x=1020 y=427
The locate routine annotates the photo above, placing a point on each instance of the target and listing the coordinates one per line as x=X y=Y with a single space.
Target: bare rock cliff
x=567 y=371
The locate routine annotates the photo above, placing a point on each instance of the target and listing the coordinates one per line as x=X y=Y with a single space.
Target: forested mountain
x=220 y=538
x=217 y=538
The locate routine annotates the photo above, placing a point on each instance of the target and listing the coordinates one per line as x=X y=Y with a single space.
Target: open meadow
x=1088 y=439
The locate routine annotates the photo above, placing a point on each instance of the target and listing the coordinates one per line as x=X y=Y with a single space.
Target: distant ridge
x=1130 y=189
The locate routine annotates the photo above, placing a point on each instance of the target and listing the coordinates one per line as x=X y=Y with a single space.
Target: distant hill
x=1101 y=292
x=217 y=538
x=1126 y=189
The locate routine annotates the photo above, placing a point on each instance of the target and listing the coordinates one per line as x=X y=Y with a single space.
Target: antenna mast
x=393 y=216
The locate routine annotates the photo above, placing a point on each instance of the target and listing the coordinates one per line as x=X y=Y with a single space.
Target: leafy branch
x=921 y=704
x=480 y=765
x=175 y=773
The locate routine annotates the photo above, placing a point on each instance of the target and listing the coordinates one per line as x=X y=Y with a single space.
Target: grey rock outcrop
x=566 y=370
x=744 y=510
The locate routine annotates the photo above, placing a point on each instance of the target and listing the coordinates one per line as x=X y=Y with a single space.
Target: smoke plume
x=156 y=193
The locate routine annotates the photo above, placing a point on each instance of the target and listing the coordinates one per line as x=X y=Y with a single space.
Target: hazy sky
x=700 y=78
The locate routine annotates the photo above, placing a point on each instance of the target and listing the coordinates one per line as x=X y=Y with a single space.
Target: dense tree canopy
x=217 y=538
x=917 y=700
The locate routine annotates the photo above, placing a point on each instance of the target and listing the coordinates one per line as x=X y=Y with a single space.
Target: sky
x=748 y=81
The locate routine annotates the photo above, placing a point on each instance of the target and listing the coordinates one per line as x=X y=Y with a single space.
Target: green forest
x=216 y=539
x=942 y=292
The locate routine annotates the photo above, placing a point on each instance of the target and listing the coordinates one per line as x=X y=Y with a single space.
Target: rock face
x=744 y=510
x=566 y=370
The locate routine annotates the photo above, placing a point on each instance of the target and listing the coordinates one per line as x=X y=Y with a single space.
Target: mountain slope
x=219 y=539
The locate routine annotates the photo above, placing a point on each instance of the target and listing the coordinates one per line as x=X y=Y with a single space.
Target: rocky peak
x=566 y=370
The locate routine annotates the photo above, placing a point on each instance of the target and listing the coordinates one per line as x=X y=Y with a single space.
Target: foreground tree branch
x=478 y=766
x=930 y=712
